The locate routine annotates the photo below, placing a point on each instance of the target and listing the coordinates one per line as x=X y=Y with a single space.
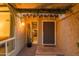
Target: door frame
x=36 y=29
x=54 y=32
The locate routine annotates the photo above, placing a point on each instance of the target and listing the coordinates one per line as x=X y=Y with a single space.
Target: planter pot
x=29 y=44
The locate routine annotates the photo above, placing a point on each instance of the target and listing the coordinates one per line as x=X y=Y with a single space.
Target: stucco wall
x=20 y=39
x=68 y=34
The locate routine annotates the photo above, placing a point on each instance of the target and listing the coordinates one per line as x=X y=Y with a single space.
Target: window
x=4 y=25
x=7 y=40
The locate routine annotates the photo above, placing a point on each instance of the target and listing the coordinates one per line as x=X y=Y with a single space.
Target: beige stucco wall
x=68 y=34
x=20 y=39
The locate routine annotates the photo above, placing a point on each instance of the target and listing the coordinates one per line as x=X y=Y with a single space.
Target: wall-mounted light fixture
x=22 y=23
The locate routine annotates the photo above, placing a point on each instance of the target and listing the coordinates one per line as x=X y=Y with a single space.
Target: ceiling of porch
x=41 y=5
x=38 y=7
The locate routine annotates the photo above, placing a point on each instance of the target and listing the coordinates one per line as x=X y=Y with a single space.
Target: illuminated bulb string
x=40 y=14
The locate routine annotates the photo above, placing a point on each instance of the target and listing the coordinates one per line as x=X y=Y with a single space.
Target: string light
x=40 y=14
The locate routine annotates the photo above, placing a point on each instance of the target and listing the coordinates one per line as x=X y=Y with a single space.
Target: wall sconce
x=21 y=26
x=22 y=23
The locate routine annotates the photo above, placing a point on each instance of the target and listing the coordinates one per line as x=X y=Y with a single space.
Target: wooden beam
x=51 y=10
x=11 y=5
x=3 y=5
x=5 y=11
x=56 y=11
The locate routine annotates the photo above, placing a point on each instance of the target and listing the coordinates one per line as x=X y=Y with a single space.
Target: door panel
x=48 y=32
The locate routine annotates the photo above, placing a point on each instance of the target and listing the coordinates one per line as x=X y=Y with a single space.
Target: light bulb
x=22 y=24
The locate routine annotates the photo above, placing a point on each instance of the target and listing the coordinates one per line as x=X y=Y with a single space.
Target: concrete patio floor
x=40 y=51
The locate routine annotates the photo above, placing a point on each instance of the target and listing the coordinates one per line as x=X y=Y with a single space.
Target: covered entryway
x=39 y=30
x=51 y=29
